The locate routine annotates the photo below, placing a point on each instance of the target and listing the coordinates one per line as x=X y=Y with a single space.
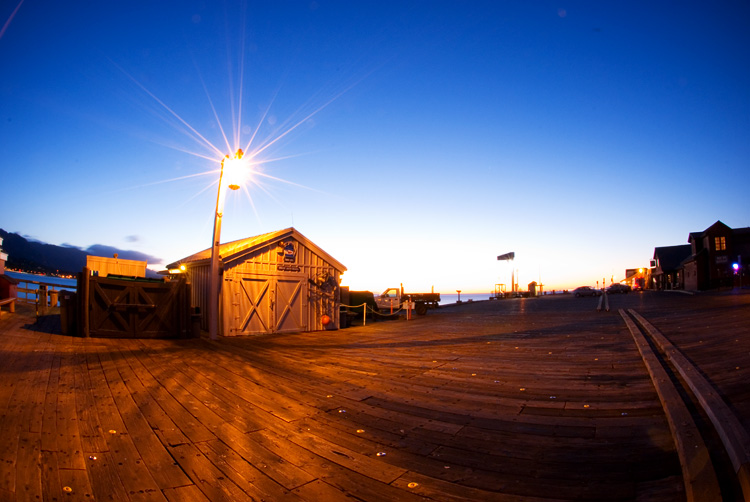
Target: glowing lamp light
x=178 y=270
x=325 y=320
x=735 y=266
x=234 y=169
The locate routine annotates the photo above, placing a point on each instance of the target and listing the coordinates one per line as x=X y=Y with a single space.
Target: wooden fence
x=120 y=307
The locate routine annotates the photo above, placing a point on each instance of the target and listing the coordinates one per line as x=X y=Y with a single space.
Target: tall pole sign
x=509 y=257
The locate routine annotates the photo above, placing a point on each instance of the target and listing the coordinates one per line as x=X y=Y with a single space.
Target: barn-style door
x=288 y=306
x=257 y=304
x=250 y=304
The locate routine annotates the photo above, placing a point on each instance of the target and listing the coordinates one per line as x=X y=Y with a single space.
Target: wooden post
x=83 y=291
x=41 y=300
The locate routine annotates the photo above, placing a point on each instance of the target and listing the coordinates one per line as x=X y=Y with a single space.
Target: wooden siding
x=256 y=290
x=198 y=276
x=106 y=266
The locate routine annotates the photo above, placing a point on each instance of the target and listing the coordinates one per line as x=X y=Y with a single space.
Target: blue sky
x=416 y=141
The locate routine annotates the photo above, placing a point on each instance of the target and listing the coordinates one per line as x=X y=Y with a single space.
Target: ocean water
x=42 y=278
x=445 y=299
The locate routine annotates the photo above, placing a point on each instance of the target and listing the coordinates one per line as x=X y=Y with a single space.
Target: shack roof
x=231 y=250
x=670 y=257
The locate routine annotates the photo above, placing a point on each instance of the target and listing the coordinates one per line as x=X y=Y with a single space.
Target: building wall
x=8 y=287
x=718 y=242
x=3 y=257
x=691 y=276
x=199 y=278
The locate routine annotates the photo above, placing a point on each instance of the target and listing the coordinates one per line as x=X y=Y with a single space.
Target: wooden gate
x=134 y=308
x=256 y=304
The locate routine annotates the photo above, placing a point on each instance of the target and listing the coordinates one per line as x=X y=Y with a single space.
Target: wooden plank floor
x=527 y=399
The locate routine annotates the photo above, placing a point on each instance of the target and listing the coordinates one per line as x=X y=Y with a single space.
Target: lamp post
x=231 y=164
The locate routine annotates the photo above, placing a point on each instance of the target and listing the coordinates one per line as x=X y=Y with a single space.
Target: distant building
x=8 y=285
x=666 y=267
x=103 y=266
x=637 y=278
x=3 y=257
x=719 y=257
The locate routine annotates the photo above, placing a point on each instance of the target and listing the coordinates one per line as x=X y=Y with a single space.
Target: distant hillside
x=40 y=257
x=44 y=258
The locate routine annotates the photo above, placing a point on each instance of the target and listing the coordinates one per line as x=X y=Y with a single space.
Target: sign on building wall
x=290 y=252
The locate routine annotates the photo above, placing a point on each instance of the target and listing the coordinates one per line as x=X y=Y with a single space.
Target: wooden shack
x=279 y=282
x=103 y=267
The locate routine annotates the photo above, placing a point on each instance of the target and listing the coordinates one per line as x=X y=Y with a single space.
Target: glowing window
x=720 y=243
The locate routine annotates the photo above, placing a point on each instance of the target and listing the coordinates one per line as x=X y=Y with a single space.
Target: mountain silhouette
x=39 y=257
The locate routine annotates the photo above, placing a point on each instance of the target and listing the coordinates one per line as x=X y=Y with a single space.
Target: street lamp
x=232 y=166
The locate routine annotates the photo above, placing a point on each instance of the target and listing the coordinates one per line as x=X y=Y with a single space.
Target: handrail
x=27 y=290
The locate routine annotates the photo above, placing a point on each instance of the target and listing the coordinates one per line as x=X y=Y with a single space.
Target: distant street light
x=231 y=166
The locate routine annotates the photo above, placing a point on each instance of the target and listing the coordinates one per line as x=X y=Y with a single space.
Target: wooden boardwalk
x=518 y=400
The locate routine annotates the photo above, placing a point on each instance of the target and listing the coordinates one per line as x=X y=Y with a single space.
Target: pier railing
x=48 y=292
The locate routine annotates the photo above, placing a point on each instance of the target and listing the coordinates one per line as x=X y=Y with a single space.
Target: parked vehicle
x=618 y=288
x=394 y=299
x=586 y=291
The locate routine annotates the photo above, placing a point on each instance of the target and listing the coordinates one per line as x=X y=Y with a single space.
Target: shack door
x=288 y=306
x=258 y=304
